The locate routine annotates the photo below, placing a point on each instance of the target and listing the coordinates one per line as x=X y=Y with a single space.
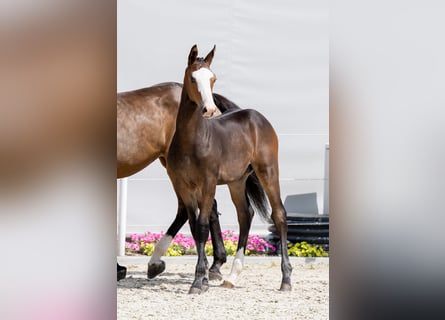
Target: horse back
x=154 y=96
x=242 y=137
x=247 y=121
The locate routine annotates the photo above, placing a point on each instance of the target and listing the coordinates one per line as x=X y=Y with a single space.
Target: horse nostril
x=204 y=110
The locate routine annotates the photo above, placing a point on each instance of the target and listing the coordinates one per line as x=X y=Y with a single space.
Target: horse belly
x=137 y=146
x=232 y=171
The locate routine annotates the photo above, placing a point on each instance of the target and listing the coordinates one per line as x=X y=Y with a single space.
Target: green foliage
x=304 y=249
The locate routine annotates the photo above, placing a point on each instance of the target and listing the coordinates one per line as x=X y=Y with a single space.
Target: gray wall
x=271 y=56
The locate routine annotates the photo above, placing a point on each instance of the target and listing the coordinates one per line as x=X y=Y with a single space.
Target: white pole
x=326 y=180
x=122 y=215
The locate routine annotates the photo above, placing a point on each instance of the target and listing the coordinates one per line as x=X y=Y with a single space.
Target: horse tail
x=257 y=197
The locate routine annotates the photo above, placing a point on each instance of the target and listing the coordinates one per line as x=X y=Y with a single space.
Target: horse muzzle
x=209 y=112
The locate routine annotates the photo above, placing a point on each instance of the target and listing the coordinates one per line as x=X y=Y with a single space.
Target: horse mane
x=224 y=104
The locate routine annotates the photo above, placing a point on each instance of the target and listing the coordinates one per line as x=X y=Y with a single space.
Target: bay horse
x=226 y=149
x=146 y=121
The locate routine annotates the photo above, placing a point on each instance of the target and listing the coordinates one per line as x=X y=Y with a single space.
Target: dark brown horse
x=146 y=121
x=223 y=150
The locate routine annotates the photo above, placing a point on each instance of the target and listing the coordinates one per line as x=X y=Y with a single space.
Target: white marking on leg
x=237 y=266
x=161 y=248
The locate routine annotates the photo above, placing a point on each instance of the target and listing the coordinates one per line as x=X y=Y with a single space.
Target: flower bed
x=185 y=245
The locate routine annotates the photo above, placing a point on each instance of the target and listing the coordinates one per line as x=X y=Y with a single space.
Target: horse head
x=199 y=81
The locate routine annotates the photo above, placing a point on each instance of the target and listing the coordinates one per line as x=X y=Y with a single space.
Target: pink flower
x=255 y=244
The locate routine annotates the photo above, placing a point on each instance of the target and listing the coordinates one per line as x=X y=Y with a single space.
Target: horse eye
x=192 y=79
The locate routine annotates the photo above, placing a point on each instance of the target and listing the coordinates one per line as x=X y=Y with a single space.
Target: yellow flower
x=148 y=248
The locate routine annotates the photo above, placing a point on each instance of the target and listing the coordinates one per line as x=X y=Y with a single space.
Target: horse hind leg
x=279 y=219
x=268 y=176
x=245 y=215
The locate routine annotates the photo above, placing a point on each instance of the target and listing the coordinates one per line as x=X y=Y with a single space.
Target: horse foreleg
x=219 y=251
x=156 y=265
x=201 y=282
x=201 y=234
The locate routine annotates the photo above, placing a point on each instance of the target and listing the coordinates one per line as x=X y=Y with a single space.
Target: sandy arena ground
x=256 y=296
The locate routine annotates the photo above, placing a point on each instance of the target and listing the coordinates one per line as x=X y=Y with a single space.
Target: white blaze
x=202 y=77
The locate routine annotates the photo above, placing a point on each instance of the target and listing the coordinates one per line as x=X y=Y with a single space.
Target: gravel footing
x=256 y=295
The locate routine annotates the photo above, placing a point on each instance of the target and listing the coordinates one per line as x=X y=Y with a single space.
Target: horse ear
x=193 y=54
x=208 y=59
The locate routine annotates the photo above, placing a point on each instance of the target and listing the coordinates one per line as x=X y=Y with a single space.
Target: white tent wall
x=272 y=56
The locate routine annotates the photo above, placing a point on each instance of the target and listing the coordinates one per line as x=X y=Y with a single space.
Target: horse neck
x=189 y=116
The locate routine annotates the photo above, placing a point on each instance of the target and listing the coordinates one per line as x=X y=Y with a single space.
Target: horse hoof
x=121 y=273
x=194 y=290
x=215 y=275
x=155 y=268
x=227 y=284
x=286 y=287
